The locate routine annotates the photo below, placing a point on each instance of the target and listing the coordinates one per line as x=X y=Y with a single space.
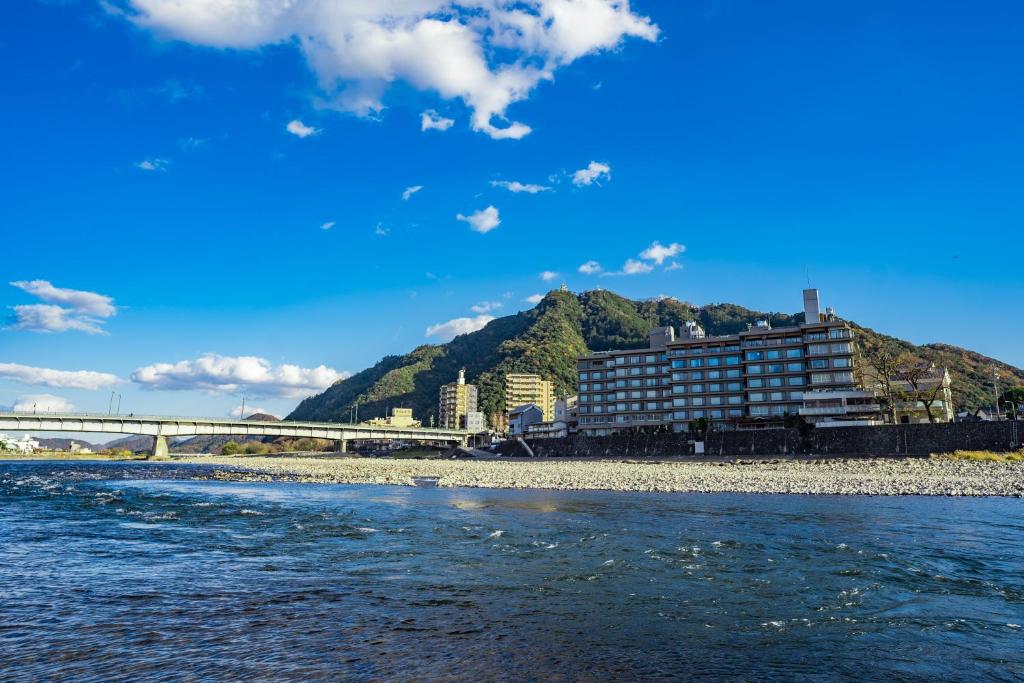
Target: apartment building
x=521 y=389
x=753 y=378
x=455 y=402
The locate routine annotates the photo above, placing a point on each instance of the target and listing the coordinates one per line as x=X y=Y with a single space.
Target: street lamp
x=1013 y=409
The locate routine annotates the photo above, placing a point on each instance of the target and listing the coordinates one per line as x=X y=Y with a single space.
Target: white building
x=25 y=444
x=841 y=408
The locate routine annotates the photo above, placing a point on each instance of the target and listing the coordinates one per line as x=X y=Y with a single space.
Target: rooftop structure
x=455 y=401
x=521 y=389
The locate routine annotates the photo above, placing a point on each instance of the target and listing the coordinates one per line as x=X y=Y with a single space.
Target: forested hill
x=547 y=339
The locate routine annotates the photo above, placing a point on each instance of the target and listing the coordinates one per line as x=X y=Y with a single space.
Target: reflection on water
x=128 y=572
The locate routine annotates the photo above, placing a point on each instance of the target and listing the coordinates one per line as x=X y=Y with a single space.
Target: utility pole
x=110 y=403
x=118 y=404
x=995 y=391
x=241 y=414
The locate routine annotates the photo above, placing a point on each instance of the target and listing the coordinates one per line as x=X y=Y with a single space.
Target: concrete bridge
x=162 y=427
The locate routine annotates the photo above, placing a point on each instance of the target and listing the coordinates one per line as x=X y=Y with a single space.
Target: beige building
x=399 y=417
x=934 y=387
x=455 y=402
x=521 y=389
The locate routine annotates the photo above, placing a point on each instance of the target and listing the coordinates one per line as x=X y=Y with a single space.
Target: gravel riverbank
x=935 y=476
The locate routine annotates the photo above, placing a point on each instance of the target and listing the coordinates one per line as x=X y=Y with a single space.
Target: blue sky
x=875 y=146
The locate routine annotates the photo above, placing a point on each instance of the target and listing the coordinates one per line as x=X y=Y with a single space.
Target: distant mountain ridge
x=547 y=339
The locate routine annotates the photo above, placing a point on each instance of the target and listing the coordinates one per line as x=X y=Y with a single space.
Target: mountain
x=547 y=339
x=59 y=444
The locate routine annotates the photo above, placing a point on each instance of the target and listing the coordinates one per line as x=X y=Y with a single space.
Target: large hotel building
x=755 y=377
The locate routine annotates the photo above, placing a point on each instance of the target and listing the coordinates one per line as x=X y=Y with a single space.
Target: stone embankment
x=934 y=476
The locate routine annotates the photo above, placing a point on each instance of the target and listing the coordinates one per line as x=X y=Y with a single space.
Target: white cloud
x=250 y=411
x=482 y=221
x=516 y=186
x=380 y=230
x=191 y=143
x=590 y=268
x=634 y=267
x=631 y=267
x=327 y=226
x=487 y=53
x=594 y=172
x=230 y=374
x=674 y=265
x=534 y=298
x=431 y=120
x=42 y=403
x=64 y=310
x=410 y=191
x=152 y=164
x=548 y=275
x=453 y=328
x=486 y=306
x=65 y=379
x=657 y=252
x=296 y=127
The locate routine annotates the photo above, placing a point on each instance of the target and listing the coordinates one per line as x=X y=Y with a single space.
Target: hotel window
x=651 y=394
x=755 y=369
x=795 y=381
x=620 y=372
x=796 y=396
x=667 y=405
x=652 y=382
x=714 y=362
x=620 y=360
x=597 y=386
x=818 y=364
x=697 y=414
x=715 y=401
x=815 y=336
x=714 y=387
x=696 y=362
x=598 y=374
x=679 y=389
x=755 y=383
x=732 y=360
x=679 y=376
x=652 y=406
x=634 y=406
x=651 y=358
x=620 y=395
x=756 y=396
x=735 y=400
x=821 y=377
x=636 y=394
x=636 y=382
x=758 y=410
x=697 y=375
x=794 y=353
x=696 y=388
x=633 y=372
x=598 y=409
x=620 y=407
x=843 y=377
x=716 y=415
x=817 y=349
x=839 y=333
x=620 y=383
x=755 y=355
x=793 y=340
x=714 y=374
x=732 y=374
x=735 y=412
x=610 y=397
x=698 y=401
x=584 y=398
x=844 y=347
x=734 y=386
x=775 y=382
x=651 y=370
x=777 y=396
x=621 y=418
x=841 y=362
x=584 y=376
x=679 y=402
x=794 y=367
x=775 y=367
x=681 y=415
x=634 y=360
x=584 y=387
x=778 y=410
x=774 y=354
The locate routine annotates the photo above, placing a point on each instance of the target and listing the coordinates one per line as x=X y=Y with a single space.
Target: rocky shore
x=890 y=477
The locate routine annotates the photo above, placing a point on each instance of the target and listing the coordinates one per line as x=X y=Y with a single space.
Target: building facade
x=455 y=402
x=474 y=422
x=521 y=389
x=754 y=378
x=399 y=417
x=521 y=417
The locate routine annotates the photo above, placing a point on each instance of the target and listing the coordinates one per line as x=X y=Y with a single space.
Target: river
x=127 y=572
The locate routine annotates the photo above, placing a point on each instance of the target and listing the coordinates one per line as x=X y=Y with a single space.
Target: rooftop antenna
x=807 y=271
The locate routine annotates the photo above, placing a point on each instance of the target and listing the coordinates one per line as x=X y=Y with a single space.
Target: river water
x=146 y=572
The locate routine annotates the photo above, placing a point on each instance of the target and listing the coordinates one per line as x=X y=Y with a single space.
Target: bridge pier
x=341 y=446
x=160 y=450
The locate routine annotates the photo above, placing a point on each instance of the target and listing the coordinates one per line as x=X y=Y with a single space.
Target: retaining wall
x=912 y=439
